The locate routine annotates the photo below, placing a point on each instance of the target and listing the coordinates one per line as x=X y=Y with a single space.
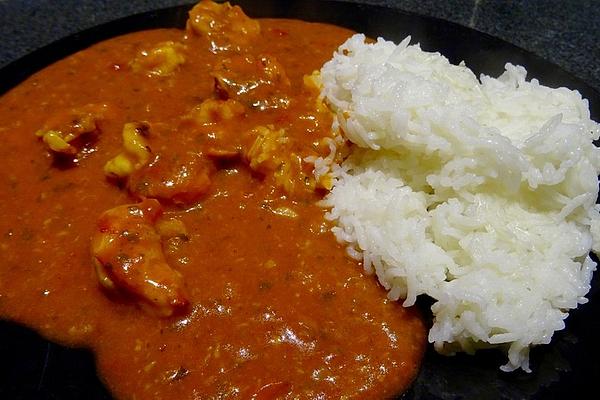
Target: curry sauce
x=159 y=209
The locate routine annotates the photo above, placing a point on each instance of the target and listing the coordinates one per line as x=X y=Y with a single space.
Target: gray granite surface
x=565 y=32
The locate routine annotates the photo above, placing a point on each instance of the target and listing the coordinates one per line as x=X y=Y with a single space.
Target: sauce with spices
x=158 y=208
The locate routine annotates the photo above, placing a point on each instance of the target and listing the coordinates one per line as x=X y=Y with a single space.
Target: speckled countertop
x=565 y=32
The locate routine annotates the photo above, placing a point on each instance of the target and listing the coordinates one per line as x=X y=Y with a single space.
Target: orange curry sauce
x=157 y=208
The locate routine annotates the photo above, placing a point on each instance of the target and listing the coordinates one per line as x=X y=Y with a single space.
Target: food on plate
x=64 y=132
x=128 y=255
x=160 y=208
x=162 y=59
x=163 y=199
x=479 y=193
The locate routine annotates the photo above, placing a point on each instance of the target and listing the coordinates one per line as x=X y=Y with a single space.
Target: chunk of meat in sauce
x=218 y=123
x=271 y=153
x=259 y=82
x=136 y=151
x=128 y=256
x=172 y=177
x=162 y=60
x=179 y=178
x=225 y=26
x=265 y=155
x=63 y=132
x=213 y=111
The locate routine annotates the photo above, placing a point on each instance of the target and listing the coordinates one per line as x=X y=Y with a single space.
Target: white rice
x=478 y=193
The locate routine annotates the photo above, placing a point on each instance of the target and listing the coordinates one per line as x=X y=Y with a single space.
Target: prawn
x=129 y=259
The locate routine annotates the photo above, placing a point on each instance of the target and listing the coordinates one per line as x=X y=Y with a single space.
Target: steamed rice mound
x=477 y=192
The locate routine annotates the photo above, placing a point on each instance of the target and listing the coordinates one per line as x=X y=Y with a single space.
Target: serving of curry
x=159 y=208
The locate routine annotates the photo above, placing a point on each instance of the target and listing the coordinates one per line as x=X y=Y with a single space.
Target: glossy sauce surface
x=274 y=308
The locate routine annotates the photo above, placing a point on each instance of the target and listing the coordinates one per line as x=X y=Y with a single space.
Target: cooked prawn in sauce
x=159 y=209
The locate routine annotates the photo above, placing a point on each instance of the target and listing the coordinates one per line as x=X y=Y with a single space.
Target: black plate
x=33 y=368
